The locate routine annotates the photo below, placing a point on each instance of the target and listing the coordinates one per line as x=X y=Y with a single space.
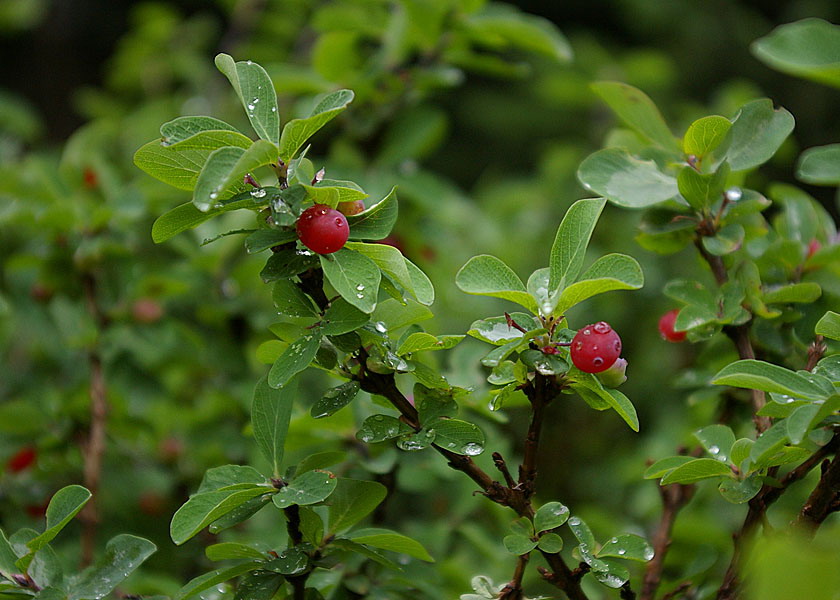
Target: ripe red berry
x=666 y=327
x=22 y=459
x=595 y=347
x=323 y=229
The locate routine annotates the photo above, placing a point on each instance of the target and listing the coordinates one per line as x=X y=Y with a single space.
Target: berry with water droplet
x=323 y=229
x=666 y=327
x=595 y=347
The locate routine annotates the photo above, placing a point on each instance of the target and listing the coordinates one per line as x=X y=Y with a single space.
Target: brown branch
x=564 y=578
x=824 y=500
x=537 y=393
x=815 y=352
x=501 y=465
x=94 y=446
x=513 y=589
x=674 y=497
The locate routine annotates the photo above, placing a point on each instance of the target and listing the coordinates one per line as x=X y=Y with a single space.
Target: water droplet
x=366 y=437
x=248 y=62
x=602 y=327
x=360 y=287
x=258 y=193
x=379 y=418
x=622 y=551
x=273 y=109
x=714 y=449
x=251 y=107
x=255 y=100
x=472 y=449
x=734 y=194
x=648 y=554
x=547 y=308
x=380 y=327
x=574 y=521
x=213 y=195
x=360 y=295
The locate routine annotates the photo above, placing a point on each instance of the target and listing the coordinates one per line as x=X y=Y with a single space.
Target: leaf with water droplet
x=291 y=561
x=550 y=515
x=297 y=131
x=256 y=92
x=717 y=440
x=413 y=442
x=629 y=546
x=123 y=554
x=467 y=438
x=334 y=400
x=295 y=359
x=611 y=574
x=740 y=491
x=378 y=428
x=306 y=488
x=221 y=176
x=496 y=330
x=345 y=270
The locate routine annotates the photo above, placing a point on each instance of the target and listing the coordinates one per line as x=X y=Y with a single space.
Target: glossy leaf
x=181 y=128
x=496 y=330
x=187 y=216
x=550 y=515
x=626 y=180
x=486 y=275
x=608 y=273
x=334 y=400
x=258 y=585
x=795 y=292
x=665 y=465
x=294 y=359
x=378 y=428
x=232 y=550
x=739 y=491
x=290 y=300
x=717 y=440
x=351 y=546
x=263 y=239
x=352 y=501
x=214 y=578
x=519 y=544
x=829 y=325
x=179 y=164
x=637 y=111
x=256 y=92
x=290 y=561
x=697 y=470
x=271 y=411
x=809 y=48
x=342 y=317
x=757 y=132
x=457 y=436
x=204 y=508
x=226 y=476
x=820 y=165
x=333 y=192
x=123 y=554
x=385 y=539
x=396 y=315
x=701 y=191
x=354 y=276
x=571 y=241
x=388 y=259
x=419 y=342
x=551 y=543
x=376 y=221
x=224 y=170
x=308 y=488
x=627 y=546
x=759 y=375
x=704 y=135
x=297 y=131
x=64 y=505
x=424 y=291
x=725 y=241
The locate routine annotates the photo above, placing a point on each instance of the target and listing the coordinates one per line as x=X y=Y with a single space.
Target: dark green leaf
x=202 y=509
x=519 y=544
x=123 y=554
x=263 y=239
x=378 y=428
x=820 y=165
x=232 y=551
x=256 y=92
x=385 y=539
x=334 y=400
x=64 y=505
x=354 y=276
x=756 y=133
x=291 y=561
x=701 y=191
x=187 y=216
x=628 y=546
x=829 y=325
x=271 y=410
x=352 y=501
x=717 y=440
x=457 y=436
x=342 y=317
x=295 y=359
x=213 y=578
x=550 y=515
x=665 y=465
x=740 y=491
x=258 y=585
x=297 y=131
x=308 y=488
x=375 y=222
x=290 y=300
x=551 y=543
x=221 y=176
x=809 y=48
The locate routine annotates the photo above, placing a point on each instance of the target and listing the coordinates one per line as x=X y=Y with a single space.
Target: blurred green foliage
x=482 y=129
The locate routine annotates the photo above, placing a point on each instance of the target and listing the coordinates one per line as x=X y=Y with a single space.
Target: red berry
x=666 y=327
x=353 y=207
x=146 y=310
x=813 y=246
x=595 y=347
x=323 y=229
x=22 y=459
x=90 y=179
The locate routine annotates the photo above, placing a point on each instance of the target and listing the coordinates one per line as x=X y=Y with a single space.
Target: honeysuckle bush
x=316 y=484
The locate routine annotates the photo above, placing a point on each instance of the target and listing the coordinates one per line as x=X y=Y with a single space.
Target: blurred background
x=482 y=129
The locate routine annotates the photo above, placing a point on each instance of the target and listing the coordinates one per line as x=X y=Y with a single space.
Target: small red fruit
x=595 y=347
x=353 y=207
x=323 y=229
x=666 y=327
x=90 y=179
x=146 y=310
x=22 y=459
x=813 y=246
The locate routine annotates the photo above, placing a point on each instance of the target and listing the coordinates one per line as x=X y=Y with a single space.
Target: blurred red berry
x=813 y=246
x=22 y=459
x=146 y=310
x=666 y=327
x=90 y=179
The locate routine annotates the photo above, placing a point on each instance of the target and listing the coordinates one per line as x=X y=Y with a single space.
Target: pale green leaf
x=224 y=170
x=486 y=275
x=809 y=48
x=569 y=248
x=696 y=470
x=256 y=92
x=385 y=539
x=759 y=375
x=297 y=131
x=637 y=111
x=180 y=128
x=626 y=180
x=608 y=273
x=271 y=410
x=704 y=135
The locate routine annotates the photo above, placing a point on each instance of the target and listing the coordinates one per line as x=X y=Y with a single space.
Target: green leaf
x=759 y=375
x=351 y=546
x=187 y=216
x=291 y=561
x=519 y=544
x=486 y=275
x=352 y=501
x=224 y=170
x=385 y=539
x=64 y=505
x=271 y=411
x=701 y=191
x=123 y=554
x=308 y=488
x=757 y=132
x=705 y=134
x=739 y=491
x=665 y=465
x=290 y=300
x=256 y=92
x=829 y=325
x=321 y=460
x=179 y=164
x=396 y=315
x=795 y=292
x=637 y=111
x=8 y=558
x=571 y=241
x=551 y=543
x=294 y=359
x=378 y=428
x=342 y=317
x=214 y=578
x=696 y=470
x=424 y=291
x=726 y=240
x=740 y=451
x=809 y=48
x=627 y=546
x=181 y=128
x=550 y=515
x=297 y=131
x=263 y=239
x=608 y=273
x=258 y=585
x=376 y=221
x=800 y=422
x=496 y=330
x=420 y=342
x=226 y=476
x=769 y=444
x=584 y=535
x=612 y=397
x=525 y=31
x=626 y=180
x=457 y=436
x=232 y=550
x=717 y=440
x=388 y=259
x=820 y=165
x=332 y=195
x=334 y=400
x=204 y=508
x=354 y=276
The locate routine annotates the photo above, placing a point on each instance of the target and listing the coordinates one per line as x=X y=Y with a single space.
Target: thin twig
x=674 y=497
x=513 y=589
x=824 y=500
x=536 y=391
